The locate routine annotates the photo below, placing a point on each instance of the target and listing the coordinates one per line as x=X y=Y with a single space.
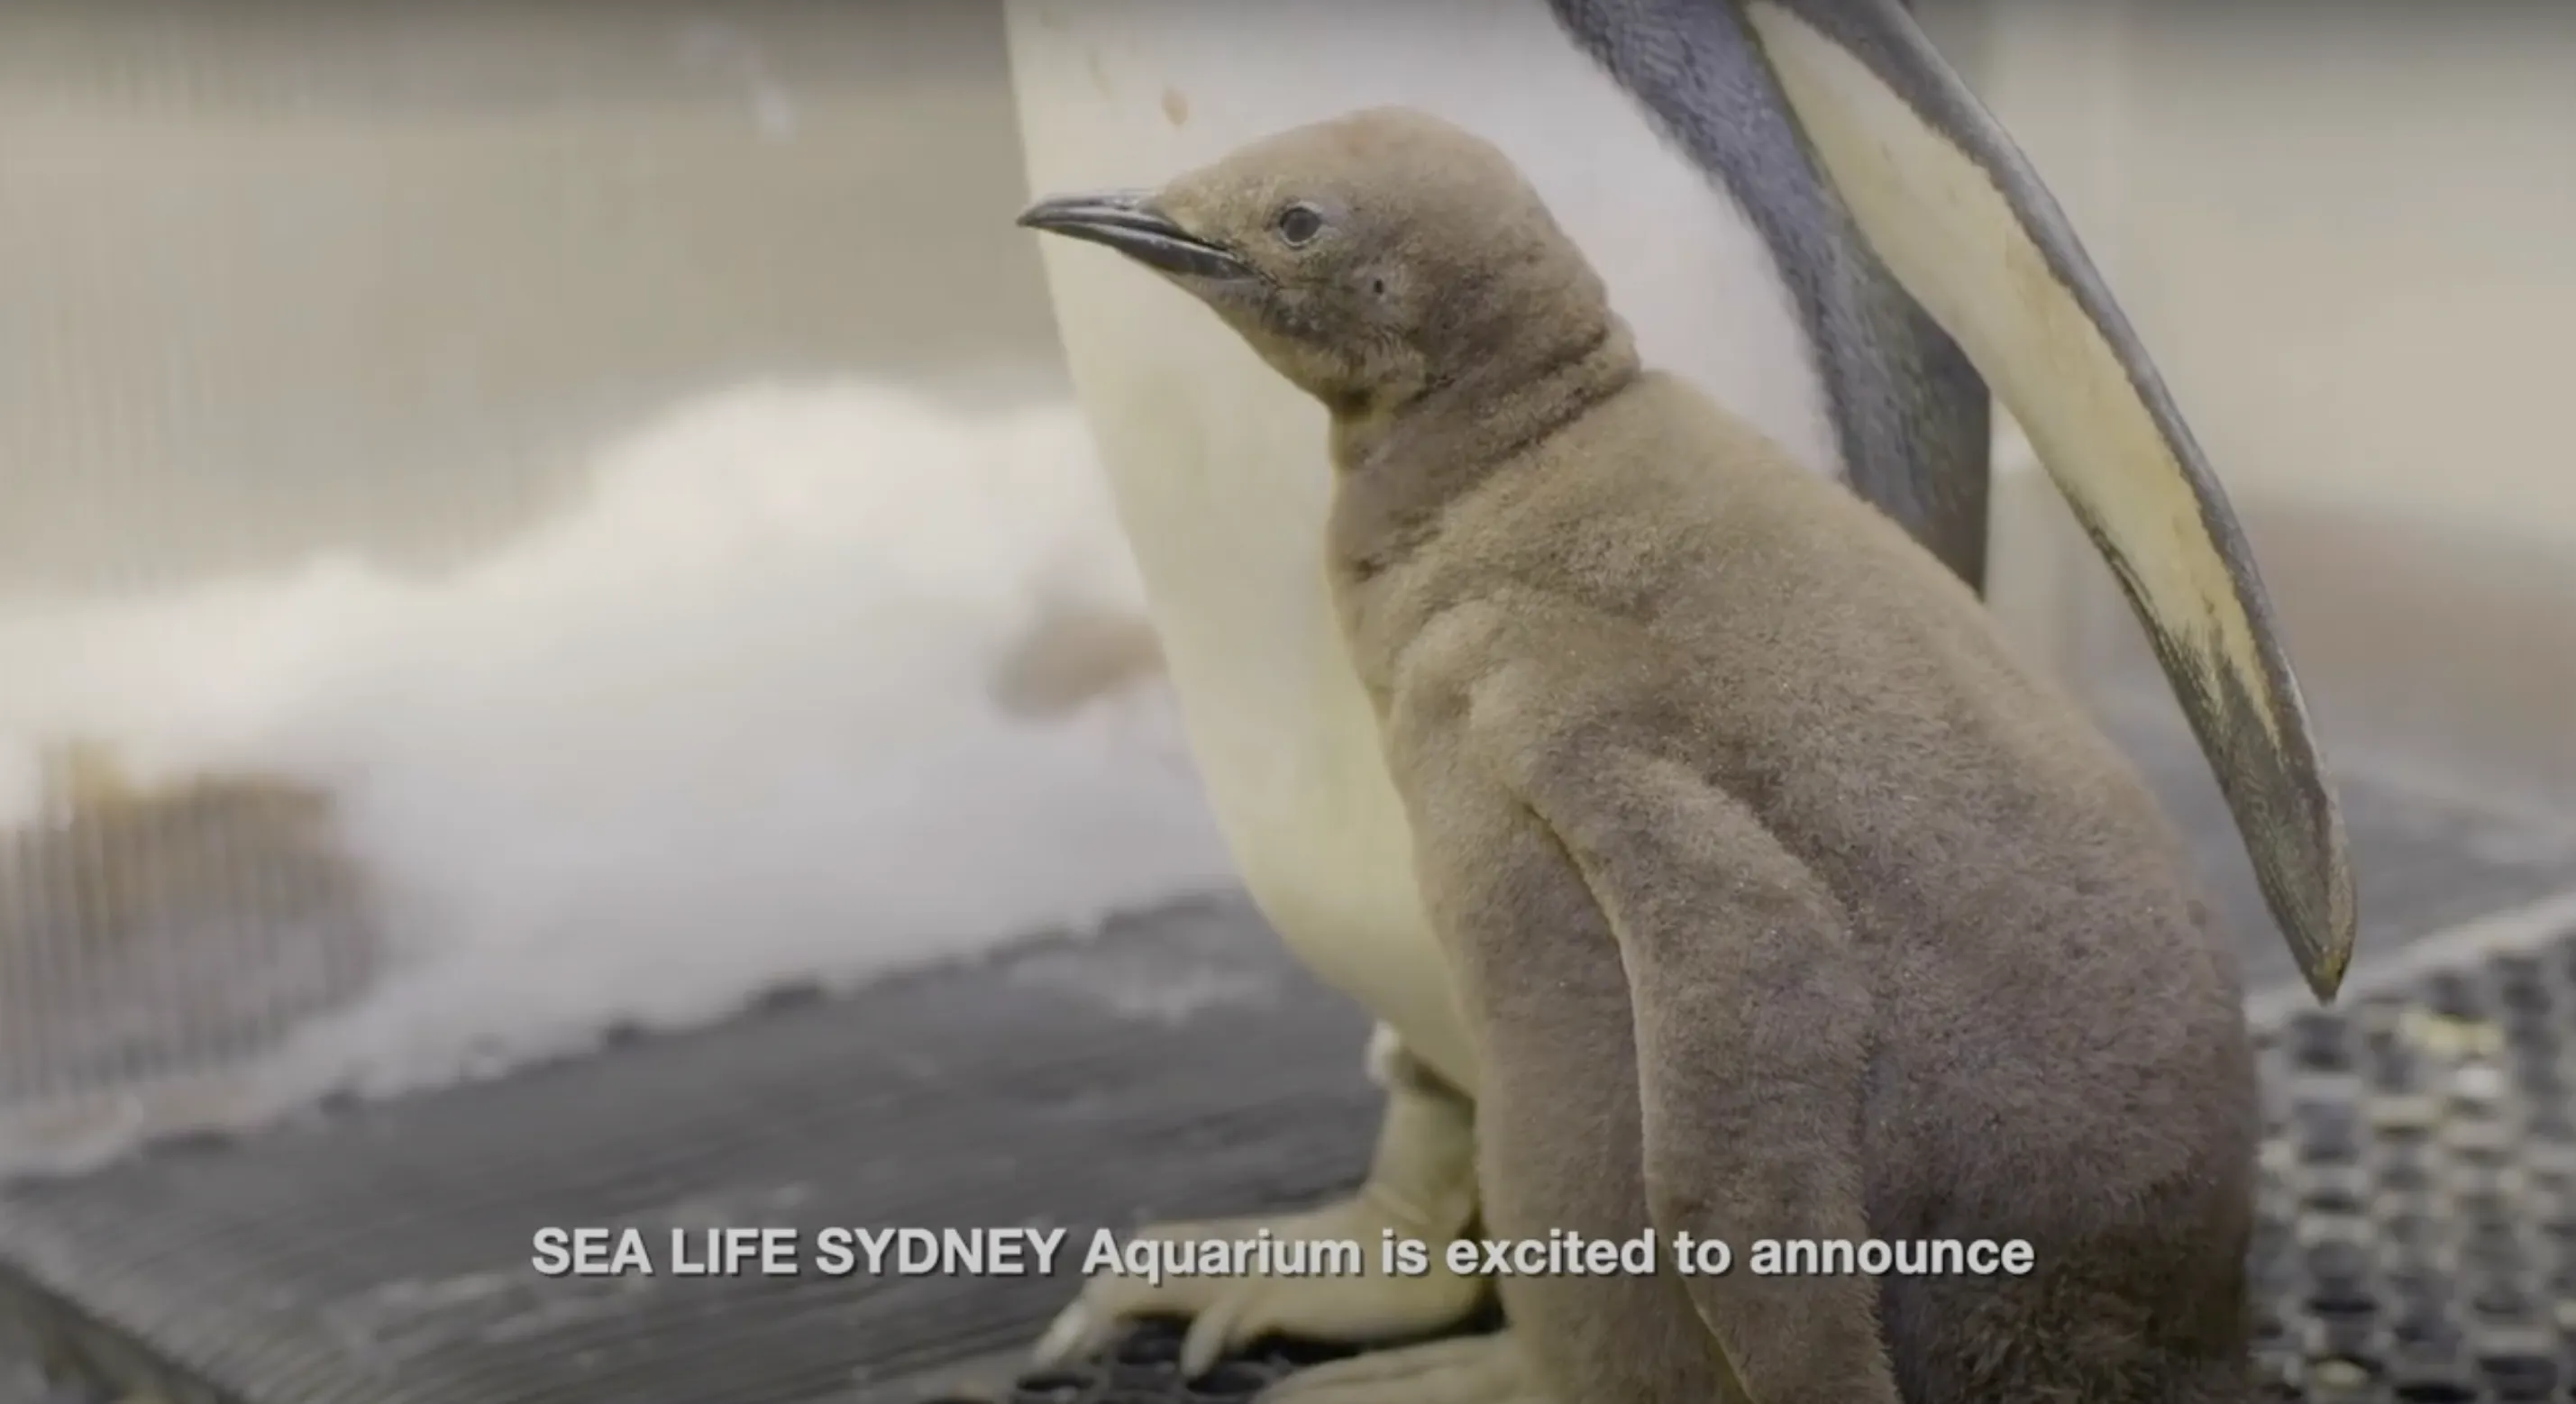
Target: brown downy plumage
x=1783 y=902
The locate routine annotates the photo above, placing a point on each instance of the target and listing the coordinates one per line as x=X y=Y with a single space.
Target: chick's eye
x=1298 y=224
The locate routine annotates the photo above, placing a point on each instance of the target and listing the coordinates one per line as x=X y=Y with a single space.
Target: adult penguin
x=1790 y=200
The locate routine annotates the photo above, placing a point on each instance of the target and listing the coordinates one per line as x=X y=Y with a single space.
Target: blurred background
x=2340 y=241
x=489 y=494
x=429 y=434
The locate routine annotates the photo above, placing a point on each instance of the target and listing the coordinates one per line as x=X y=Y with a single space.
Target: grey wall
x=279 y=276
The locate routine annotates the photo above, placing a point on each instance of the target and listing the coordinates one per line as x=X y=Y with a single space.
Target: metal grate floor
x=2419 y=1240
x=1182 y=1066
x=2418 y=1234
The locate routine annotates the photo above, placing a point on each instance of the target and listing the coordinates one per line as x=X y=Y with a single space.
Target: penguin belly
x=1219 y=467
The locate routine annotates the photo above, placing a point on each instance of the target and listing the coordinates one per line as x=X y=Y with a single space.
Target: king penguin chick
x=1783 y=904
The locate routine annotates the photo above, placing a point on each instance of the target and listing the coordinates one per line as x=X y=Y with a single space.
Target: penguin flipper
x=1963 y=220
x=1753 y=1022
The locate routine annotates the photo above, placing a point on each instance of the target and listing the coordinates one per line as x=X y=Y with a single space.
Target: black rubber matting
x=1178 y=1066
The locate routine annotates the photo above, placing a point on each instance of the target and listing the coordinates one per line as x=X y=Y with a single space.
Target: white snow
x=728 y=724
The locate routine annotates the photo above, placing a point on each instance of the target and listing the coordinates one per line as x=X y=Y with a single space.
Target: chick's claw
x=1228 y=1312
x=1485 y=1369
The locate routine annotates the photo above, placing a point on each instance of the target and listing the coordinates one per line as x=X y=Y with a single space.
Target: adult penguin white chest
x=1810 y=171
x=1220 y=469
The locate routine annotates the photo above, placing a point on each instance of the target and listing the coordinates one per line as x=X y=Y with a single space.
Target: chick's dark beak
x=1127 y=221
